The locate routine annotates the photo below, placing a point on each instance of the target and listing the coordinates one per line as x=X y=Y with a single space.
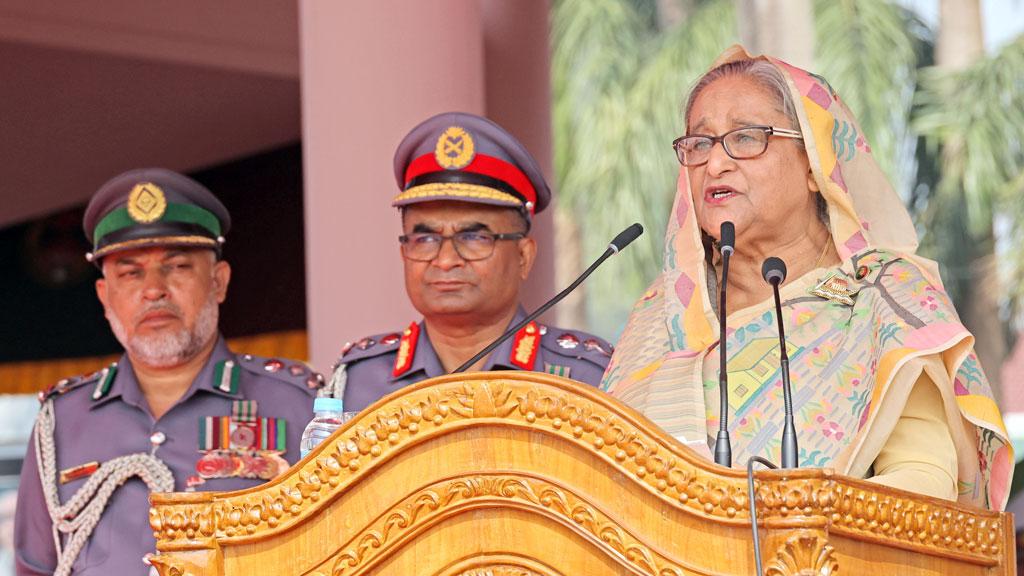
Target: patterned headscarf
x=846 y=358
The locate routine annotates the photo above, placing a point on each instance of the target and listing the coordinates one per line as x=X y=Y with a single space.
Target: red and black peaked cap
x=464 y=157
x=154 y=207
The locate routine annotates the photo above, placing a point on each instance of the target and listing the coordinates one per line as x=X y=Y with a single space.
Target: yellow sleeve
x=920 y=456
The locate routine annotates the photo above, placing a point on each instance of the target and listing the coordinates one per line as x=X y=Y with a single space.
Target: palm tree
x=973 y=108
x=870 y=52
x=620 y=68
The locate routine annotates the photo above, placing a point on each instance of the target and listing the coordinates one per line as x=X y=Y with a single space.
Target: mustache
x=440 y=279
x=157 y=307
x=449 y=276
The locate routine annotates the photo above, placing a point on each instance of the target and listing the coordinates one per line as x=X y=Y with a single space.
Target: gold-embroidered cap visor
x=184 y=241
x=456 y=191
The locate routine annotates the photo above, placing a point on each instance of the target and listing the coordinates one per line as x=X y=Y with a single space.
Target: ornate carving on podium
x=863 y=511
x=498 y=565
x=441 y=500
x=573 y=417
x=808 y=511
x=501 y=570
x=804 y=553
x=934 y=524
x=168 y=566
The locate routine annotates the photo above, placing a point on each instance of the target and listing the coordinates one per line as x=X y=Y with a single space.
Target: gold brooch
x=835 y=287
x=146 y=203
x=455 y=148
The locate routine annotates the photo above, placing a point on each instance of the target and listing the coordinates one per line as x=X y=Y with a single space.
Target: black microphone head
x=773 y=270
x=727 y=238
x=626 y=236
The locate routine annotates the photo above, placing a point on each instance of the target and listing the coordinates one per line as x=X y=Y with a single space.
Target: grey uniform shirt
x=117 y=423
x=369 y=364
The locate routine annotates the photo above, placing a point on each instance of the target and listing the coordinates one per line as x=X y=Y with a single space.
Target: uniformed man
x=179 y=411
x=468 y=194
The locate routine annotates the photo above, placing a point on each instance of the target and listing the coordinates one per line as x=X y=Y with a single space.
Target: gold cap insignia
x=455 y=148
x=837 y=288
x=146 y=203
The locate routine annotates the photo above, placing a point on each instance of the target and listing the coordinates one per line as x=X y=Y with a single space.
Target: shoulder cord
x=79 y=516
x=336 y=387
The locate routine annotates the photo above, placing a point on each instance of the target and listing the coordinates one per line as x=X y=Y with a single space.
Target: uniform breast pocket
x=229 y=484
x=121 y=537
x=97 y=548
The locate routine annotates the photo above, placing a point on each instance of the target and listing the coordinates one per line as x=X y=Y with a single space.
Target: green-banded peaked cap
x=154 y=207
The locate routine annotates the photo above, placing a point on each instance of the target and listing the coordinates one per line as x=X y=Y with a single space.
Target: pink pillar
x=370 y=72
x=518 y=80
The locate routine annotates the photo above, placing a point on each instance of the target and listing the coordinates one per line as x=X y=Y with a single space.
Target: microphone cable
x=753 y=507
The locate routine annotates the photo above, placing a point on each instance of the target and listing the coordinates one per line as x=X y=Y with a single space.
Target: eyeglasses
x=739 y=144
x=469 y=245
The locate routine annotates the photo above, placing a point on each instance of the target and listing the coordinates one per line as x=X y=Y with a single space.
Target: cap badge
x=146 y=203
x=455 y=148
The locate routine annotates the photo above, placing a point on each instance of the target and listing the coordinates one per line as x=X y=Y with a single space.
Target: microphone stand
x=617 y=244
x=774 y=271
x=723 y=447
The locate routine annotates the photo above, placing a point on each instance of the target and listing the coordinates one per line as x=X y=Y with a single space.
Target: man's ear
x=221 y=279
x=527 y=256
x=101 y=292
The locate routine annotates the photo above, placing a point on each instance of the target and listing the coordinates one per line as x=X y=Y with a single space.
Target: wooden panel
x=31 y=377
x=524 y=473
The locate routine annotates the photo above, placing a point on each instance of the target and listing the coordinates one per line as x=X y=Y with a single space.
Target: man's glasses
x=739 y=144
x=469 y=245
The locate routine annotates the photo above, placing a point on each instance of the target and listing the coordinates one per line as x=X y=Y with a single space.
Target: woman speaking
x=885 y=384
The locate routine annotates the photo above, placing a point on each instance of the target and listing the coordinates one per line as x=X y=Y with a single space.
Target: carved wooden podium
x=520 y=473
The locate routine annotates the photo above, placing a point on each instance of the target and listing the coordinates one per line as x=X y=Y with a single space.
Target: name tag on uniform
x=77 y=472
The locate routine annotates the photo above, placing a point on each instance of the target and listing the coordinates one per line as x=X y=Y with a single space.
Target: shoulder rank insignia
x=524 y=346
x=406 y=350
x=63 y=386
x=835 y=287
x=242 y=445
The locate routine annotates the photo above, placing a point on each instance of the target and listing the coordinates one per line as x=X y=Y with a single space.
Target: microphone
x=617 y=244
x=774 y=272
x=723 y=448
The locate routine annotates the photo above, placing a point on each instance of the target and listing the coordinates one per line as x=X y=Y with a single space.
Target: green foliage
x=980 y=112
x=618 y=87
x=619 y=82
x=867 y=49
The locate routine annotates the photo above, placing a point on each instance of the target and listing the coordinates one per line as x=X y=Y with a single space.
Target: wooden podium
x=521 y=473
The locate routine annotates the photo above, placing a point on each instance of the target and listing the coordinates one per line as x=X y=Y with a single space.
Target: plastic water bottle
x=327 y=417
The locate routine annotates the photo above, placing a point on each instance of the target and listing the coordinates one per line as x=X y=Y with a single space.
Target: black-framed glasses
x=740 y=143
x=469 y=245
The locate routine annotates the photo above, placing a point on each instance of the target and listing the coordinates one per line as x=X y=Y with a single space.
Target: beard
x=168 y=348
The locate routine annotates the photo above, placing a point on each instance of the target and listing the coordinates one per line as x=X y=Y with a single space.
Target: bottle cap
x=327 y=405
